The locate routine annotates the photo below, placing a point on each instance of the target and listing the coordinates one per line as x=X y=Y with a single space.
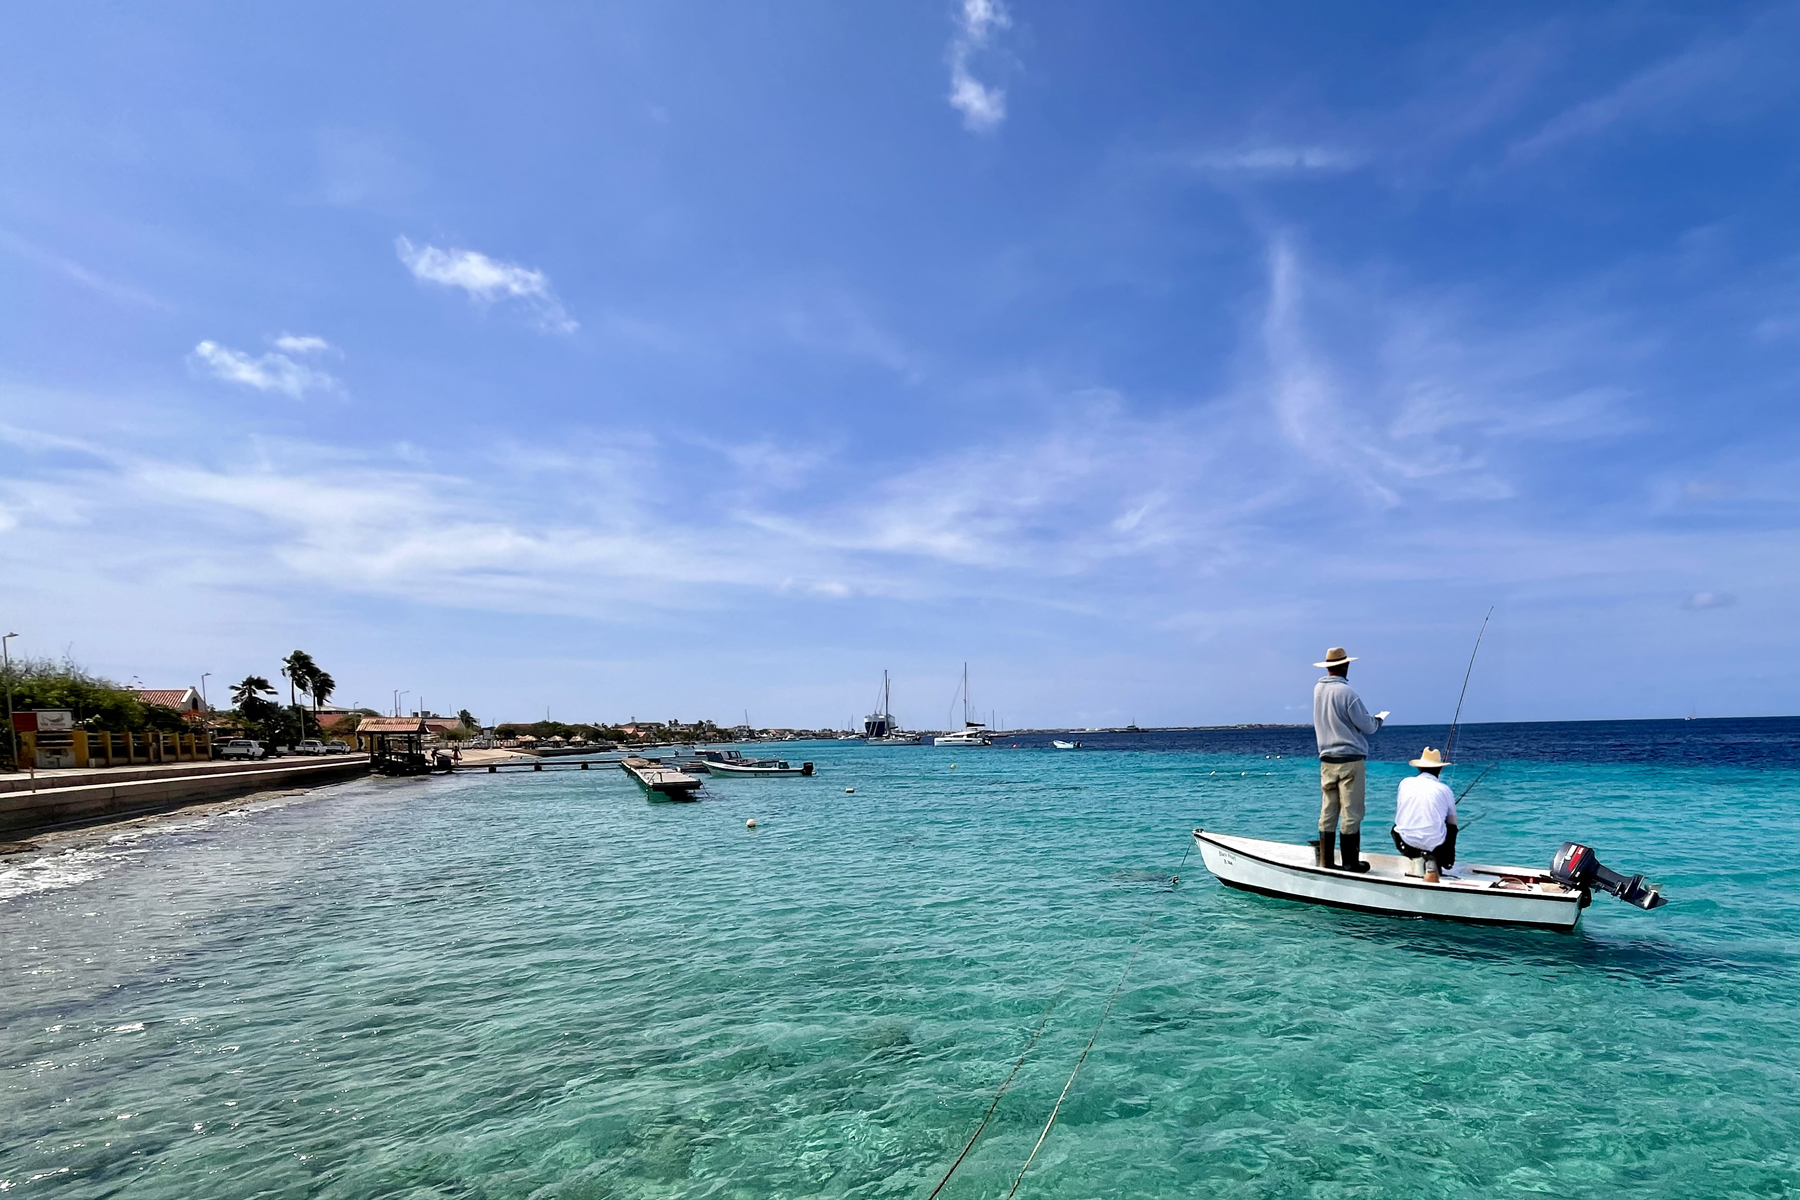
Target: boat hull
x=1481 y=895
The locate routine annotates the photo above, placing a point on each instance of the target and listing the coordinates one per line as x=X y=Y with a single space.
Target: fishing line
x=1450 y=742
x=1136 y=945
x=988 y=1116
x=1478 y=779
x=1094 y=1037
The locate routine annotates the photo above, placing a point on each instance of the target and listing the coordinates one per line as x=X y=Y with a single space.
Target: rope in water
x=988 y=1116
x=1092 y=1038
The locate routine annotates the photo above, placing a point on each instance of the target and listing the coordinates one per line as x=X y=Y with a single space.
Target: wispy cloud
x=487 y=280
x=112 y=289
x=1700 y=601
x=272 y=372
x=1714 y=77
x=1279 y=160
x=982 y=105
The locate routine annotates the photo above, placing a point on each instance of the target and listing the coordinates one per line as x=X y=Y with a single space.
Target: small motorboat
x=660 y=781
x=732 y=762
x=1060 y=745
x=1484 y=895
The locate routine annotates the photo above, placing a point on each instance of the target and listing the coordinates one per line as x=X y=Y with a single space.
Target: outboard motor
x=1577 y=866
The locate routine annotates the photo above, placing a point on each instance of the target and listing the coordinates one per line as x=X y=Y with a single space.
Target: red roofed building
x=182 y=700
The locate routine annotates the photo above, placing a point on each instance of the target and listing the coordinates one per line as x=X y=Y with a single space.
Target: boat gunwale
x=1567 y=897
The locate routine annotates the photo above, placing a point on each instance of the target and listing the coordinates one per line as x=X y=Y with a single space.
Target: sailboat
x=973 y=733
x=880 y=728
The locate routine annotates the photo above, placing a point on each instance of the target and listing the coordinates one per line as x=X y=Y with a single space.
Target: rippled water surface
x=540 y=985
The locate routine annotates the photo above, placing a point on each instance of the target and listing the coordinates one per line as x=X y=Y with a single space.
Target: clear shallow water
x=543 y=986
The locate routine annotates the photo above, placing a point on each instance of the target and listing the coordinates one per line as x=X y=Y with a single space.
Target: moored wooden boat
x=1484 y=895
x=661 y=781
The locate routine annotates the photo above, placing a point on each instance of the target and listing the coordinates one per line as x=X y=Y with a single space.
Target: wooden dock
x=661 y=781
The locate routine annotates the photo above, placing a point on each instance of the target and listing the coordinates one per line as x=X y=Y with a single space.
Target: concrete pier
x=73 y=797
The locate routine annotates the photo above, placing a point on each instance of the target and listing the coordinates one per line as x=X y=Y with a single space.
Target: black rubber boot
x=1353 y=853
x=1328 y=848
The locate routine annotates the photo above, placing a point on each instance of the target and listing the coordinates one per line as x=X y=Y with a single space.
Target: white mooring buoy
x=750 y=824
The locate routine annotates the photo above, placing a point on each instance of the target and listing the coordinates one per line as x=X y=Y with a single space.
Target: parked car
x=243 y=748
x=310 y=746
x=337 y=747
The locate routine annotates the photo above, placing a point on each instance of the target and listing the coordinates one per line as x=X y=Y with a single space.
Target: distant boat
x=1058 y=745
x=880 y=728
x=973 y=733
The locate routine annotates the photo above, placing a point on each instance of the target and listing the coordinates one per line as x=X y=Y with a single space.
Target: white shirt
x=1423 y=806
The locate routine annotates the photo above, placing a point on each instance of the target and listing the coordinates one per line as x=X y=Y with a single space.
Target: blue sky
x=677 y=360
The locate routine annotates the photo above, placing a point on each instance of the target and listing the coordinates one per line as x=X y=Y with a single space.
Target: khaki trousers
x=1342 y=784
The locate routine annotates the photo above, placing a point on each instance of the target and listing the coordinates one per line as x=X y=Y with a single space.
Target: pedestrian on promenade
x=1342 y=725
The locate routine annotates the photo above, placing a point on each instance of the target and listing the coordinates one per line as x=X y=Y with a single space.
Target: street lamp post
x=6 y=658
x=205 y=705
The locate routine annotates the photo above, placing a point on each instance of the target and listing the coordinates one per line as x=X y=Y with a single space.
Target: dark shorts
x=1444 y=854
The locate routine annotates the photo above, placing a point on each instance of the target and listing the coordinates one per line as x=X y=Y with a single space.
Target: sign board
x=55 y=720
x=25 y=722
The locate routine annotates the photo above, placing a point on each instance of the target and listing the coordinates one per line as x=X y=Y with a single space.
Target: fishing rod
x=1450 y=742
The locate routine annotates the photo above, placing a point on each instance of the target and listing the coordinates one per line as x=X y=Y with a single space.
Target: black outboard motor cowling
x=1577 y=866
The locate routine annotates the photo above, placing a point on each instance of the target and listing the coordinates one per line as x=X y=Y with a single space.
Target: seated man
x=1425 y=812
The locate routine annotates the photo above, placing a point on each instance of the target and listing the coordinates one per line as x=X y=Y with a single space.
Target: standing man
x=1342 y=726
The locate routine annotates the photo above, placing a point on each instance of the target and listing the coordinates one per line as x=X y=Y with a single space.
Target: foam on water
x=540 y=985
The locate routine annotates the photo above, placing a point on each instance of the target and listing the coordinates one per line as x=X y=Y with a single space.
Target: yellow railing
x=83 y=748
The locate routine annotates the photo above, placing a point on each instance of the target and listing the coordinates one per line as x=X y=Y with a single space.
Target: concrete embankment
x=70 y=797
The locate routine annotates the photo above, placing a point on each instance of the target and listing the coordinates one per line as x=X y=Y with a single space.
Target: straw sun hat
x=1335 y=657
x=1428 y=758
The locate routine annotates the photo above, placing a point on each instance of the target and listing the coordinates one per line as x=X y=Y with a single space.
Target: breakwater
x=71 y=797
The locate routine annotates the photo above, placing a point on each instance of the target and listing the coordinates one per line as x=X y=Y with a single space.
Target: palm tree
x=320 y=688
x=300 y=670
x=248 y=688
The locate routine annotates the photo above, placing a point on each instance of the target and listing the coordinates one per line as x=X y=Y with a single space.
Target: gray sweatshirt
x=1340 y=721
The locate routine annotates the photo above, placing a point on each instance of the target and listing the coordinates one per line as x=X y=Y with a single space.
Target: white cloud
x=273 y=372
x=487 y=280
x=302 y=344
x=983 y=107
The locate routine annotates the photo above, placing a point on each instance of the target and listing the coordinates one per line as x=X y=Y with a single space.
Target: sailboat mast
x=965 y=695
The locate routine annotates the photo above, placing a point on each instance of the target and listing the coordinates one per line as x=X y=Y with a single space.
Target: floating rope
x=988 y=1116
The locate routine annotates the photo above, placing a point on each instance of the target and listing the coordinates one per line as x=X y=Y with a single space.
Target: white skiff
x=1481 y=894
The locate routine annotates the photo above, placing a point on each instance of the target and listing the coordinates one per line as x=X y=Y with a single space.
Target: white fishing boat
x=731 y=762
x=660 y=781
x=1057 y=744
x=973 y=733
x=1484 y=895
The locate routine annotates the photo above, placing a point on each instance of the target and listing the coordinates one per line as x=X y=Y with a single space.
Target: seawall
x=75 y=797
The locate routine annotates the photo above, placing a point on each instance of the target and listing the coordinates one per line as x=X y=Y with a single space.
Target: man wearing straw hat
x=1425 y=815
x=1342 y=726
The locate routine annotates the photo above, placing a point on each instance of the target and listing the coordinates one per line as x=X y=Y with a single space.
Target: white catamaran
x=973 y=733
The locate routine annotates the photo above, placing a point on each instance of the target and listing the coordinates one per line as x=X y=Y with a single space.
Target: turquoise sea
x=541 y=985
